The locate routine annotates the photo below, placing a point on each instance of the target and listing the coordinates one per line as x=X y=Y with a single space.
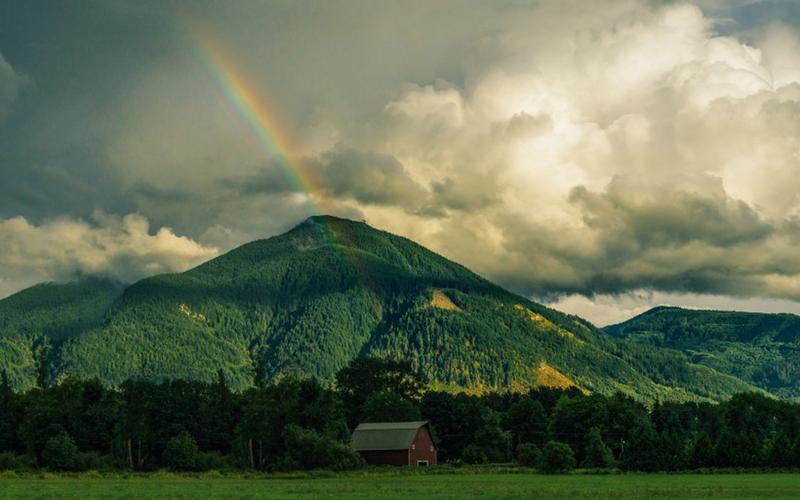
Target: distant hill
x=761 y=349
x=310 y=300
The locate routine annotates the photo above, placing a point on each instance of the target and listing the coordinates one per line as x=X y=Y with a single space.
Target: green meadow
x=396 y=486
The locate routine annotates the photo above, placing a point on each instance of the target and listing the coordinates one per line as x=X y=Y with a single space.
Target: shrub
x=60 y=453
x=215 y=461
x=557 y=457
x=528 y=454
x=474 y=454
x=309 y=450
x=95 y=461
x=182 y=453
x=12 y=461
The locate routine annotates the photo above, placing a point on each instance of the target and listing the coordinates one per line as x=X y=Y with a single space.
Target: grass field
x=483 y=485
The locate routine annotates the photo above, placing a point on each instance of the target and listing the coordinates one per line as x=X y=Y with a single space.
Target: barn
x=395 y=443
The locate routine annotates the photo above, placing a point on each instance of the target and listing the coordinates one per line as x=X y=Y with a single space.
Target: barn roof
x=386 y=435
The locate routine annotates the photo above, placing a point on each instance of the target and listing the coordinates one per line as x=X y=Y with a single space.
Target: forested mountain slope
x=761 y=349
x=48 y=314
x=310 y=300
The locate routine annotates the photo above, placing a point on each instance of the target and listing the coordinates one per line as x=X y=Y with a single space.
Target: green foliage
x=527 y=421
x=182 y=453
x=597 y=454
x=301 y=423
x=388 y=407
x=490 y=437
x=61 y=453
x=12 y=461
x=474 y=454
x=42 y=368
x=557 y=458
x=365 y=378
x=313 y=300
x=307 y=449
x=760 y=349
x=528 y=454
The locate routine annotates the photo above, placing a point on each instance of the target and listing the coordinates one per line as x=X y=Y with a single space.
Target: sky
x=602 y=157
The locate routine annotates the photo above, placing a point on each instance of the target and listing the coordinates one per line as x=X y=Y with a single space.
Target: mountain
x=49 y=313
x=310 y=300
x=760 y=349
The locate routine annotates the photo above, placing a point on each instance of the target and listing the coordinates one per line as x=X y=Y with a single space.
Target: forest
x=311 y=300
x=302 y=423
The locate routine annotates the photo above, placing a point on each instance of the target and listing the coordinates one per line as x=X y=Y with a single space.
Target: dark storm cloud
x=10 y=85
x=555 y=146
x=363 y=176
x=644 y=217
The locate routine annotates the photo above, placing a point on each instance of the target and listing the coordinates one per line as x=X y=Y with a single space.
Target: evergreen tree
x=9 y=414
x=388 y=407
x=42 y=368
x=527 y=421
x=492 y=439
x=597 y=453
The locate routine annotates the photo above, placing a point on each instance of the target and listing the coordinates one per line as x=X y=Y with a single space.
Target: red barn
x=395 y=443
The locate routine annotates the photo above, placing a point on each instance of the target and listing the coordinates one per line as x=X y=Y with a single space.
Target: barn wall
x=423 y=448
x=385 y=457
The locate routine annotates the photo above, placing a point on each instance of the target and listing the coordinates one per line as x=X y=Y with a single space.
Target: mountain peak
x=327 y=219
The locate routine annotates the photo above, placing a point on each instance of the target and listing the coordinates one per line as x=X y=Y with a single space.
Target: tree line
x=304 y=424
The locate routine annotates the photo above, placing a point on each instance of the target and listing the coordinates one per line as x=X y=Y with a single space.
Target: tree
x=260 y=368
x=42 y=368
x=702 y=451
x=217 y=416
x=388 y=407
x=527 y=421
x=597 y=453
x=474 y=454
x=491 y=438
x=557 y=457
x=366 y=376
x=528 y=454
x=643 y=450
x=9 y=414
x=310 y=450
x=182 y=453
x=60 y=453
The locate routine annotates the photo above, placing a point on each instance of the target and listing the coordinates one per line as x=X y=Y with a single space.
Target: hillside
x=310 y=300
x=761 y=349
x=49 y=314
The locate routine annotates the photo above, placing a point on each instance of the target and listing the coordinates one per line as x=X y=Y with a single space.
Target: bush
x=12 y=461
x=528 y=454
x=182 y=453
x=309 y=450
x=60 y=453
x=557 y=457
x=95 y=461
x=215 y=461
x=474 y=454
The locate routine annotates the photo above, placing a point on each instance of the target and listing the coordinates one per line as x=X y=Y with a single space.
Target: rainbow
x=252 y=106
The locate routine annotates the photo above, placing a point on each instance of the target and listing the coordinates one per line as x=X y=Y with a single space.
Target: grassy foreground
x=388 y=486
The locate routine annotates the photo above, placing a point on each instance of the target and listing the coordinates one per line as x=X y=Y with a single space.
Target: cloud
x=640 y=152
x=122 y=248
x=560 y=148
x=11 y=83
x=605 y=310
